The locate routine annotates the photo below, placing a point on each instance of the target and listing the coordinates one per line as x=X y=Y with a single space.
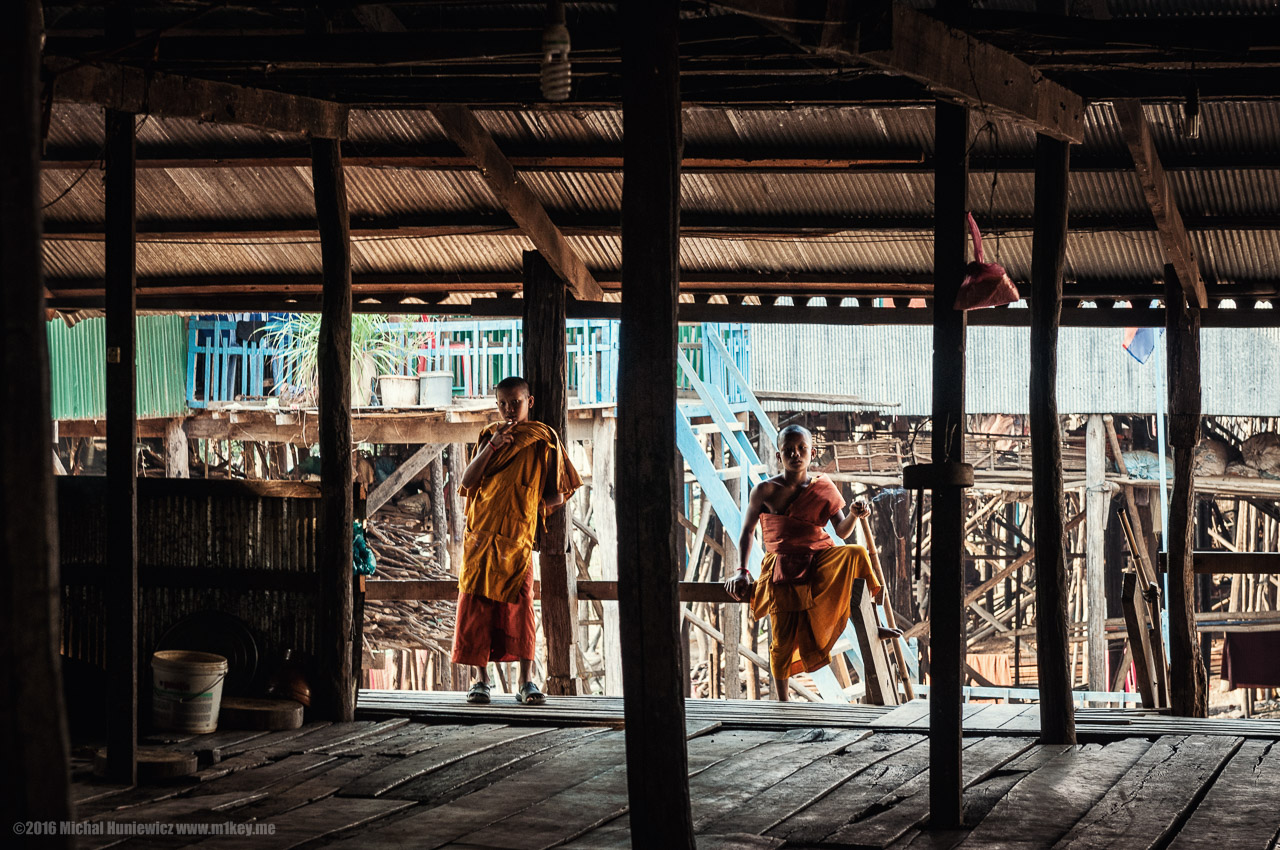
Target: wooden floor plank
x=904 y=715
x=167 y=811
x=468 y=775
x=417 y=737
x=265 y=776
x=1241 y=805
x=1149 y=801
x=908 y=806
x=1040 y=809
x=576 y=810
x=1026 y=721
x=215 y=746
x=808 y=784
x=726 y=786
x=425 y=827
x=466 y=743
x=309 y=823
x=853 y=797
x=995 y=717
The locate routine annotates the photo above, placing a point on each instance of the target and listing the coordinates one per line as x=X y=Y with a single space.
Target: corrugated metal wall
x=1240 y=368
x=77 y=371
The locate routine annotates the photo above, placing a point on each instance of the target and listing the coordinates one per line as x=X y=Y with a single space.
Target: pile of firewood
x=402 y=544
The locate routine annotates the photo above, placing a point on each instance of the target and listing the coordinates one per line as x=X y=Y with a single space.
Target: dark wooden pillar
x=338 y=687
x=947 y=647
x=33 y=737
x=122 y=437
x=547 y=373
x=647 y=493
x=1187 y=686
x=1049 y=226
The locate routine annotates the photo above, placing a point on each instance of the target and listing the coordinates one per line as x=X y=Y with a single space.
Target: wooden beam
x=1098 y=496
x=1048 y=252
x=952 y=64
x=604 y=512
x=122 y=427
x=947 y=557
x=1217 y=563
x=1159 y=195
x=648 y=555
x=435 y=590
x=396 y=480
x=145 y=92
x=466 y=132
x=1188 y=687
x=546 y=370
x=33 y=734
x=337 y=689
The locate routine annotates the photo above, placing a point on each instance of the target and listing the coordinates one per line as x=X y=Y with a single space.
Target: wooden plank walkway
x=441 y=783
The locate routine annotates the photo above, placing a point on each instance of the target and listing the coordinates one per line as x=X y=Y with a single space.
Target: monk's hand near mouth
x=503 y=435
x=739 y=587
x=860 y=508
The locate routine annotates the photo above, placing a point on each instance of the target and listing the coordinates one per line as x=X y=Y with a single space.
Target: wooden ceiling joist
x=128 y=89
x=523 y=206
x=952 y=64
x=1159 y=195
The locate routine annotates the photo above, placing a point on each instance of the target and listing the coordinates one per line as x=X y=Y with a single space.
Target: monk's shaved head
x=794 y=432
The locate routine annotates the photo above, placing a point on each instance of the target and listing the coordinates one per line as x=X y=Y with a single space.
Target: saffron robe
x=807 y=600
x=495 y=585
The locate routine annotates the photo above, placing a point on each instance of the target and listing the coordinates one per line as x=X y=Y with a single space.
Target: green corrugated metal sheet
x=77 y=369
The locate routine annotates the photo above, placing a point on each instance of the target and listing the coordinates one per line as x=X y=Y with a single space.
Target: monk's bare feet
x=888 y=634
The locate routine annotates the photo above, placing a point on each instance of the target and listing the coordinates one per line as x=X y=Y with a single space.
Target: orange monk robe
x=495 y=585
x=807 y=617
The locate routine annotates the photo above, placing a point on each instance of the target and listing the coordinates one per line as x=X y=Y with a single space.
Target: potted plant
x=296 y=338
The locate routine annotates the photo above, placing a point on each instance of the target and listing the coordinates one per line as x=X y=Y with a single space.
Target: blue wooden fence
x=478 y=353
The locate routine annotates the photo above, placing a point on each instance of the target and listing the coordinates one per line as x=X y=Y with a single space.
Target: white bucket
x=398 y=390
x=186 y=690
x=436 y=389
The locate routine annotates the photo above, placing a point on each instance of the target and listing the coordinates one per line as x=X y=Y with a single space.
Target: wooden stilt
x=1057 y=710
x=122 y=433
x=951 y=174
x=337 y=699
x=457 y=462
x=33 y=733
x=648 y=560
x=545 y=370
x=604 y=509
x=1187 y=682
x=176 y=453
x=1095 y=570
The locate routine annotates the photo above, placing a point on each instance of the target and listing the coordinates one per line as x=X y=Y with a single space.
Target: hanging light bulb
x=555 y=54
x=1191 y=115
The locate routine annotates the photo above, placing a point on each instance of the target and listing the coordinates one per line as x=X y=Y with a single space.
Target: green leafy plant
x=374 y=351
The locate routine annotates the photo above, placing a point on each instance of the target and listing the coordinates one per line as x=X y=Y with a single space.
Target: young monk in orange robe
x=806 y=581
x=520 y=472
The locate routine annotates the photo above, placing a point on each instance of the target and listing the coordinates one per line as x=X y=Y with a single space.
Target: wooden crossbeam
x=134 y=90
x=1230 y=563
x=953 y=64
x=475 y=141
x=396 y=480
x=1159 y=196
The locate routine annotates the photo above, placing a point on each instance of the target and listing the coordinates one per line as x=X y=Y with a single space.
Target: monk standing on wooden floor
x=520 y=473
x=806 y=581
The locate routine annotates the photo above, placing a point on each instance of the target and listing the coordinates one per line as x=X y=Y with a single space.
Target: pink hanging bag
x=985 y=284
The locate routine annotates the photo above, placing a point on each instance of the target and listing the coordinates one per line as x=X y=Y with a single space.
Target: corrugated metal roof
x=1240 y=369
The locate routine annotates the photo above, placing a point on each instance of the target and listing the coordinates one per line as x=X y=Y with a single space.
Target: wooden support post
x=946 y=783
x=1099 y=498
x=1187 y=683
x=439 y=520
x=122 y=433
x=546 y=371
x=1057 y=709
x=604 y=511
x=457 y=462
x=33 y=732
x=176 y=453
x=1138 y=625
x=648 y=559
x=337 y=698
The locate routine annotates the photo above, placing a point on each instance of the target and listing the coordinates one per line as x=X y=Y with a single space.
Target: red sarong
x=486 y=630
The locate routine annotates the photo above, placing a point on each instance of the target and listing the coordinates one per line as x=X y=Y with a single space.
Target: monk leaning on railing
x=520 y=471
x=806 y=580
